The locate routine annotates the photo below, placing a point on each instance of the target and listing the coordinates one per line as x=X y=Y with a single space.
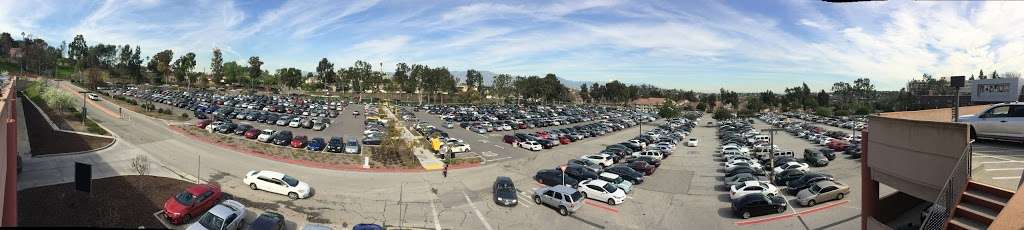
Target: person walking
x=445 y=171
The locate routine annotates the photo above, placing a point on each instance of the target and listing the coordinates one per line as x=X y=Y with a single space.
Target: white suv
x=1000 y=121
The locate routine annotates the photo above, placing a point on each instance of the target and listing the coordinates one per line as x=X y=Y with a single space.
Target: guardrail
x=943 y=205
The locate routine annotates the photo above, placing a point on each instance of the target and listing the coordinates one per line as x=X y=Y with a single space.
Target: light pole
x=771 y=152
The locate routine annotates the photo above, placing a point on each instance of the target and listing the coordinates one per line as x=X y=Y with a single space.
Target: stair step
x=984 y=199
x=997 y=192
x=965 y=224
x=976 y=212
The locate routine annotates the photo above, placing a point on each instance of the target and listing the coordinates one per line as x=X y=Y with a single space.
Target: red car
x=837 y=145
x=203 y=123
x=252 y=133
x=299 y=142
x=542 y=134
x=522 y=126
x=192 y=202
x=510 y=139
x=564 y=140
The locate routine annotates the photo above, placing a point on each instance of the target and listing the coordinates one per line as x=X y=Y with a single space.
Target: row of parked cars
x=281 y=137
x=746 y=174
x=847 y=122
x=547 y=139
x=206 y=206
x=606 y=176
x=832 y=141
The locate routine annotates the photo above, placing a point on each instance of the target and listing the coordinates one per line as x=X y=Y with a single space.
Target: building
x=15 y=53
x=8 y=163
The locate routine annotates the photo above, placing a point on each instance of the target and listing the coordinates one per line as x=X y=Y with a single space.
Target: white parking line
x=1000 y=162
x=1005 y=169
x=499 y=146
x=477 y=211
x=433 y=210
x=500 y=158
x=523 y=199
x=1006 y=177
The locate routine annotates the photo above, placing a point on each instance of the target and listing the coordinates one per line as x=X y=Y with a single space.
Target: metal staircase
x=963 y=203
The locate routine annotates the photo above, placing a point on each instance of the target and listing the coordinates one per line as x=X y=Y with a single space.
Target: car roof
x=270 y=174
x=562 y=189
x=609 y=175
x=751 y=183
x=199 y=188
x=599 y=183
x=226 y=208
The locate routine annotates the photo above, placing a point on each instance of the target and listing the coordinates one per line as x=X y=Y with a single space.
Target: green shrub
x=184 y=115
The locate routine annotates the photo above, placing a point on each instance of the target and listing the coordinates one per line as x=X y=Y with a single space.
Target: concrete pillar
x=869 y=187
x=10 y=218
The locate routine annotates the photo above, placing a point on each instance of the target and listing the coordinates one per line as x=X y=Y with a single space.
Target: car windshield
x=185 y=198
x=576 y=196
x=211 y=221
x=290 y=180
x=610 y=188
x=815 y=189
x=505 y=186
x=617 y=180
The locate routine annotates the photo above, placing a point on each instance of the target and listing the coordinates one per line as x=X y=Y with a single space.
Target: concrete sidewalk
x=426 y=158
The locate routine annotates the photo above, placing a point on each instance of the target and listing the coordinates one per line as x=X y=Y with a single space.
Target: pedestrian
x=445 y=172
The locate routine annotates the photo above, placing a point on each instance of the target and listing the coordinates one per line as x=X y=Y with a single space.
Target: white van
x=650 y=153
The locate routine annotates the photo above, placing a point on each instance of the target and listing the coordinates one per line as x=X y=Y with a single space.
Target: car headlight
x=501 y=199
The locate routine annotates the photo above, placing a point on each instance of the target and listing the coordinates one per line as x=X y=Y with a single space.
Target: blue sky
x=700 y=45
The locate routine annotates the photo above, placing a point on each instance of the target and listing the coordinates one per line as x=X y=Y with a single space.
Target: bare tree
x=141 y=164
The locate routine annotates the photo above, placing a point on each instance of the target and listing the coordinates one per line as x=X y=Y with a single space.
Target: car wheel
x=294 y=196
x=611 y=202
x=536 y=199
x=782 y=209
x=253 y=186
x=584 y=195
x=186 y=219
x=839 y=197
x=562 y=211
x=746 y=215
x=810 y=203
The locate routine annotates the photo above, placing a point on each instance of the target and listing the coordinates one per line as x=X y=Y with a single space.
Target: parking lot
x=998 y=163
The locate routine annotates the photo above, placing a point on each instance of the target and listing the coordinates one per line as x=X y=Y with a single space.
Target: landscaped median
x=115 y=202
x=54 y=126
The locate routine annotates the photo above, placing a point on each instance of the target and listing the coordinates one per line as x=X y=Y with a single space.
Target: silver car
x=1000 y=121
x=229 y=214
x=822 y=191
x=566 y=199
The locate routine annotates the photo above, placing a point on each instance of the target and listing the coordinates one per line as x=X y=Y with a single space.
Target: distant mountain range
x=489 y=79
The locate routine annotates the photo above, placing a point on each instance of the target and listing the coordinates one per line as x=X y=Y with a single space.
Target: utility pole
x=771 y=152
x=956 y=82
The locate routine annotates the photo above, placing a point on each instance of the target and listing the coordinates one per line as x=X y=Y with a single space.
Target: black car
x=853 y=151
x=335 y=145
x=371 y=141
x=268 y=221
x=580 y=172
x=814 y=157
x=757 y=204
x=806 y=181
x=585 y=163
x=627 y=173
x=241 y=129
x=226 y=128
x=787 y=175
x=552 y=177
x=829 y=153
x=546 y=143
x=282 y=138
x=504 y=192
x=649 y=160
x=744 y=169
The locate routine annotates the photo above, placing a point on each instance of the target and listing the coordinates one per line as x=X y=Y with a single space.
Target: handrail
x=942 y=207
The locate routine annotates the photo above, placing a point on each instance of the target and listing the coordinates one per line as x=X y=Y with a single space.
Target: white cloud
x=816 y=25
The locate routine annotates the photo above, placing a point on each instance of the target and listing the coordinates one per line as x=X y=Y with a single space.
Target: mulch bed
x=44 y=140
x=115 y=202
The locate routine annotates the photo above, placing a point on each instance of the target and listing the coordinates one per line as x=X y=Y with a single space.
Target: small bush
x=141 y=164
x=184 y=115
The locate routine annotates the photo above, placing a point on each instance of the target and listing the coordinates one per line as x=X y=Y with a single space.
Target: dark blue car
x=317 y=144
x=367 y=227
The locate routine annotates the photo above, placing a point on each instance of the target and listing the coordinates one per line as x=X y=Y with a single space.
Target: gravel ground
x=115 y=202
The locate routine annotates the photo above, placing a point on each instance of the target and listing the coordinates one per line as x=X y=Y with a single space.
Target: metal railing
x=943 y=205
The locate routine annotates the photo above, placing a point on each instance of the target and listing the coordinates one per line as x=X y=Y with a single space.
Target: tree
x=6 y=43
x=254 y=68
x=234 y=73
x=503 y=85
x=325 y=72
x=722 y=114
x=823 y=111
x=981 y=74
x=77 y=51
x=402 y=77
x=584 y=93
x=161 y=63
x=217 y=67
x=1011 y=75
x=183 y=68
x=473 y=80
x=668 y=109
x=994 y=74
x=290 y=77
x=823 y=98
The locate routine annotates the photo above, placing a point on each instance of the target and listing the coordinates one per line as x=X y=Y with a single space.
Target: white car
x=1004 y=121
x=458 y=147
x=229 y=214
x=790 y=165
x=92 y=96
x=617 y=180
x=752 y=187
x=264 y=135
x=640 y=143
x=604 y=160
x=692 y=142
x=650 y=153
x=295 y=122
x=824 y=140
x=530 y=145
x=602 y=191
x=734 y=164
x=279 y=183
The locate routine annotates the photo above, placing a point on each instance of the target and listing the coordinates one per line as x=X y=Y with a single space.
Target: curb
x=312 y=164
x=75 y=153
x=55 y=128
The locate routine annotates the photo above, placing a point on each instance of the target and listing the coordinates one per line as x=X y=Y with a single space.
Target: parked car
x=564 y=198
x=252 y=133
x=316 y=144
x=192 y=202
x=268 y=221
x=531 y=145
x=504 y=191
x=298 y=142
x=352 y=146
x=553 y=177
x=822 y=191
x=1003 y=121
x=814 y=157
x=580 y=172
x=602 y=191
x=790 y=165
x=808 y=179
x=757 y=204
x=604 y=160
x=692 y=142
x=279 y=183
x=335 y=145
x=627 y=173
x=265 y=135
x=229 y=214
x=787 y=175
x=742 y=178
x=623 y=184
x=458 y=147
x=750 y=187
x=282 y=138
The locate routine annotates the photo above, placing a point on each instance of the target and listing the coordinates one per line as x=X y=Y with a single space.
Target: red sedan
x=192 y=202
x=837 y=145
x=252 y=133
x=203 y=123
x=299 y=142
x=564 y=140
